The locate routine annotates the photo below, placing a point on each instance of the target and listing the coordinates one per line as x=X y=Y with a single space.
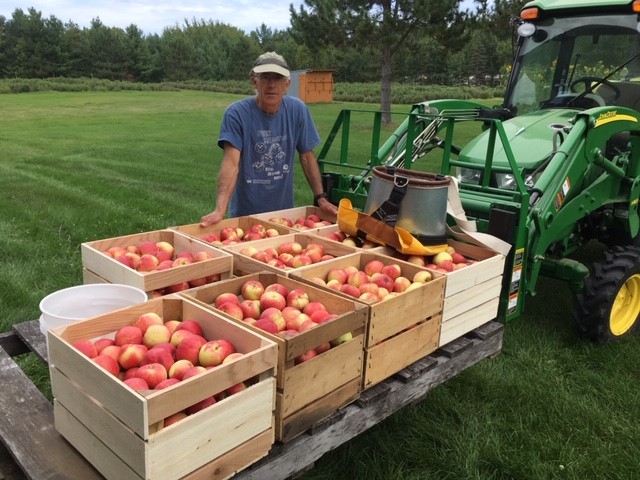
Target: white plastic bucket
x=86 y=301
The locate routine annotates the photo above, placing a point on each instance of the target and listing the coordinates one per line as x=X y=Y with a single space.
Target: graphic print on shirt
x=270 y=157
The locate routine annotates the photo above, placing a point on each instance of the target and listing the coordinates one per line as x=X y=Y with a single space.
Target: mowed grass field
x=77 y=167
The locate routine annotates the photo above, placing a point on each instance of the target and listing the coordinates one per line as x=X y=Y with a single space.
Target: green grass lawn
x=77 y=167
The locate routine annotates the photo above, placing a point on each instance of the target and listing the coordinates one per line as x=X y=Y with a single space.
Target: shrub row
x=402 y=93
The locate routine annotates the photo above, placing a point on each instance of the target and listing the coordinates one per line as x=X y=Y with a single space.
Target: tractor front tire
x=609 y=305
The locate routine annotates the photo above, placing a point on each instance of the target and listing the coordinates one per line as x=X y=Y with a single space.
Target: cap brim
x=271 y=68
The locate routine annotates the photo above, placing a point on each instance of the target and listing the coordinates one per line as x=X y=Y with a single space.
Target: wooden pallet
x=41 y=452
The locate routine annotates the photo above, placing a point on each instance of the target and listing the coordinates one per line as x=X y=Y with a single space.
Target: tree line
x=432 y=42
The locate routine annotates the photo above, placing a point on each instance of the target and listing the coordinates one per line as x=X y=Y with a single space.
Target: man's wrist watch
x=319 y=196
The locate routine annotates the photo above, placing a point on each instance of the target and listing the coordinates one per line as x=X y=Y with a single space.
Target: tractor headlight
x=468 y=175
x=505 y=181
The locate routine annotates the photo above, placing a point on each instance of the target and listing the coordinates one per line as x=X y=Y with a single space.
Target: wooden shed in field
x=312 y=86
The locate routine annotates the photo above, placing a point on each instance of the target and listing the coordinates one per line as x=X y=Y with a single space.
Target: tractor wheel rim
x=626 y=306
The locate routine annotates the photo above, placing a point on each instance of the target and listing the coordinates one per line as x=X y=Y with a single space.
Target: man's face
x=271 y=87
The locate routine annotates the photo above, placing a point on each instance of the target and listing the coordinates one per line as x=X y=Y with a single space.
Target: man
x=259 y=136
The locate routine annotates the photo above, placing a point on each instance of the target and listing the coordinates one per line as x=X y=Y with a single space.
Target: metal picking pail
x=414 y=201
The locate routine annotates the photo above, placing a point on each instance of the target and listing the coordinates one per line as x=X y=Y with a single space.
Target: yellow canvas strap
x=365 y=227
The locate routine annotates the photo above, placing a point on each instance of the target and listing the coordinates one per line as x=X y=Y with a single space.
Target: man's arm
x=227 y=178
x=312 y=173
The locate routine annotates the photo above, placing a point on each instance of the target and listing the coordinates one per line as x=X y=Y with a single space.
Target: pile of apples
x=234 y=235
x=152 y=354
x=309 y=222
x=280 y=311
x=444 y=262
x=341 y=237
x=375 y=282
x=289 y=255
x=149 y=256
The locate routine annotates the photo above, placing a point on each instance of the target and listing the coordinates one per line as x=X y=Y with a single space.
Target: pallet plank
x=305 y=450
x=36 y=446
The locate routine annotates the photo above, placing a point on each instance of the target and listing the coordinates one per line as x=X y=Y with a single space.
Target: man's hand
x=327 y=207
x=211 y=218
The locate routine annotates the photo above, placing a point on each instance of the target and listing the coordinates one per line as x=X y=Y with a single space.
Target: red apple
x=86 y=347
x=272 y=299
x=155 y=335
x=373 y=266
x=158 y=355
x=108 y=363
x=178 y=336
x=297 y=298
x=422 y=276
x=150 y=318
x=127 y=334
x=189 y=348
x=232 y=357
x=382 y=280
x=148 y=263
x=113 y=351
x=250 y=308
x=153 y=374
x=275 y=315
x=305 y=357
x=252 y=290
x=224 y=298
x=233 y=389
x=401 y=284
x=232 y=309
x=214 y=352
x=178 y=368
x=393 y=270
x=200 y=405
x=166 y=383
x=190 y=325
x=136 y=383
x=173 y=418
x=266 y=325
x=357 y=278
x=131 y=355
x=101 y=343
x=193 y=371
x=278 y=287
x=337 y=274
x=350 y=290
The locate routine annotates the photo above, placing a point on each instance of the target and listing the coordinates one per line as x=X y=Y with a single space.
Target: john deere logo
x=612 y=116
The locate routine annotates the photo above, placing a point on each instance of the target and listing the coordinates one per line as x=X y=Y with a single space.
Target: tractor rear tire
x=609 y=305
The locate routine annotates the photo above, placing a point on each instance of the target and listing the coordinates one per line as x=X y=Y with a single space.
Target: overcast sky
x=151 y=16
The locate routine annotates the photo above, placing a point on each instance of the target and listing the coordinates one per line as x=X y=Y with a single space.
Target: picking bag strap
x=388 y=211
x=466 y=229
x=366 y=227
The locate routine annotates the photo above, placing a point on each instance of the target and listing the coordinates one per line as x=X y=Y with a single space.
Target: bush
x=401 y=93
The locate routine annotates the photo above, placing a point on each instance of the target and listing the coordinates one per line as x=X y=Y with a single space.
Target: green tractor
x=552 y=168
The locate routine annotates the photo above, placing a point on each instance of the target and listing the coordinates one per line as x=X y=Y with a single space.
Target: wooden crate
x=310 y=391
x=472 y=294
x=294 y=215
x=195 y=230
x=245 y=265
x=95 y=260
x=409 y=322
x=120 y=431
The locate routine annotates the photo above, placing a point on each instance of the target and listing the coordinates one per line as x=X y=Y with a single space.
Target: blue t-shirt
x=267 y=145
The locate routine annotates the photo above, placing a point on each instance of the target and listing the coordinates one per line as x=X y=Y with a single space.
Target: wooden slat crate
x=195 y=230
x=407 y=324
x=121 y=431
x=310 y=391
x=95 y=260
x=472 y=294
x=245 y=265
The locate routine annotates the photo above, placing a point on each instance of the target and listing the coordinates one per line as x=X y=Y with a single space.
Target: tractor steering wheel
x=588 y=81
